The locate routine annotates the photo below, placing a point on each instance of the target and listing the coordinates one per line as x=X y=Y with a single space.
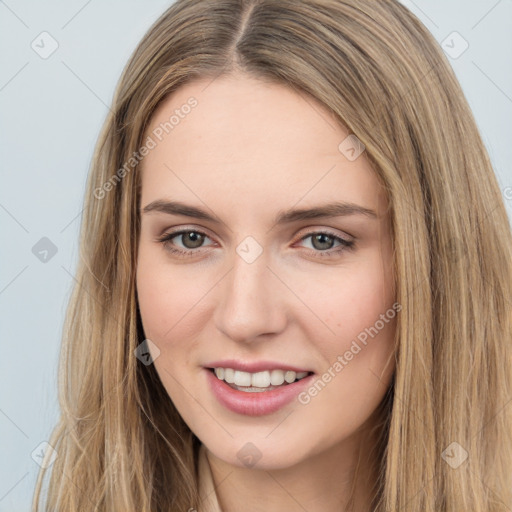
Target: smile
x=256 y=394
x=260 y=381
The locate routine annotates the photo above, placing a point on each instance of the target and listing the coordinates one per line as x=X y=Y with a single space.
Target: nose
x=251 y=301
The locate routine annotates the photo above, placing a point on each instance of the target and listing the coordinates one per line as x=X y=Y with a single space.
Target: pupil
x=196 y=239
x=321 y=239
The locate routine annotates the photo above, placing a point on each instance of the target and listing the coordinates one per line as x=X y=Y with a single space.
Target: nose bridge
x=249 y=304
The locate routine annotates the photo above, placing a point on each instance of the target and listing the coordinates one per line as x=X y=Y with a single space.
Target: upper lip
x=255 y=366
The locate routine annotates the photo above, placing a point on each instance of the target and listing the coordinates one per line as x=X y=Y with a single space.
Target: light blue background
x=51 y=111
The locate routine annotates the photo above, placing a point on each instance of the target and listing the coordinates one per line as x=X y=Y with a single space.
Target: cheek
x=356 y=341
x=358 y=355
x=170 y=301
x=349 y=301
x=172 y=315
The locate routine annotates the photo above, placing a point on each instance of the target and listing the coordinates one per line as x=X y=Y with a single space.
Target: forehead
x=244 y=136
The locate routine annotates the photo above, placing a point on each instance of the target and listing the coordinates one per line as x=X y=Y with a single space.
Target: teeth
x=290 y=376
x=229 y=375
x=259 y=379
x=276 y=377
x=242 y=378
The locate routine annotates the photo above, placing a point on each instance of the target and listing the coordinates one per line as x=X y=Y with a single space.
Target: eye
x=191 y=240
x=322 y=243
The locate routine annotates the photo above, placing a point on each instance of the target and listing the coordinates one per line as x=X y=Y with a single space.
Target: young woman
x=295 y=282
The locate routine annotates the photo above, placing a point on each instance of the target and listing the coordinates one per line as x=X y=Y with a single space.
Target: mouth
x=258 y=382
x=257 y=393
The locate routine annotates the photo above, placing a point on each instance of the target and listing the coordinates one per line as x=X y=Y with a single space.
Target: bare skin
x=248 y=151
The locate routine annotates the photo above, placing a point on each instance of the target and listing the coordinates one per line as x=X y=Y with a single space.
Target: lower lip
x=255 y=404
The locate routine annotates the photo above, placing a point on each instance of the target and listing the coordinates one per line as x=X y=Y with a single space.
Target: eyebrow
x=335 y=209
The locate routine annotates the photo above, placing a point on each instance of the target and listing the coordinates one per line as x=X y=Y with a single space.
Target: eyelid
x=305 y=231
x=311 y=230
x=185 y=229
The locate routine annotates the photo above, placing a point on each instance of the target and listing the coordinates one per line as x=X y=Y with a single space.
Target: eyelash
x=328 y=253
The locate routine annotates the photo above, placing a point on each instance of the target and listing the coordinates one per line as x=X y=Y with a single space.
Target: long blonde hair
x=121 y=444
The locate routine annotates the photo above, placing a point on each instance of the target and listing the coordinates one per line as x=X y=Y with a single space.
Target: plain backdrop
x=59 y=64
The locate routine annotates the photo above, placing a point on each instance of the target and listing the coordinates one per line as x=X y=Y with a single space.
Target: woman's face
x=278 y=262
